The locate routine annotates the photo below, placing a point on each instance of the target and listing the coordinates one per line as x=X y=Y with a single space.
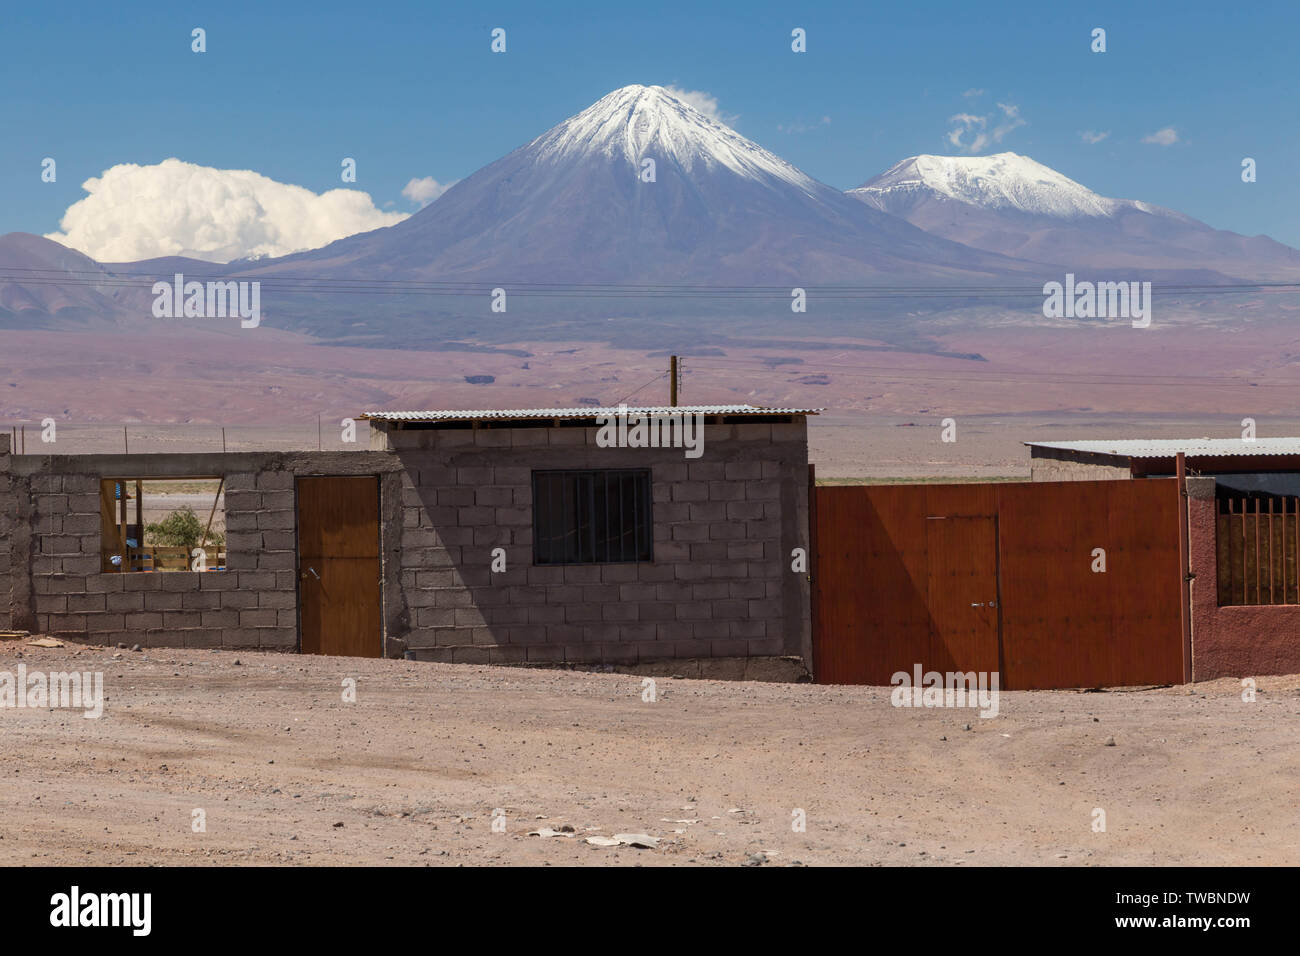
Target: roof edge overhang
x=583 y=415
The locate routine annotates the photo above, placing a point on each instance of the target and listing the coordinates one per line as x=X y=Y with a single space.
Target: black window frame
x=574 y=520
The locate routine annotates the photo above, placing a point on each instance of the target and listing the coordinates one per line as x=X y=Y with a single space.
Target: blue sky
x=411 y=90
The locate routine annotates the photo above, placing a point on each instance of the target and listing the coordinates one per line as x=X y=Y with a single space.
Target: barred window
x=592 y=517
x=1258 y=543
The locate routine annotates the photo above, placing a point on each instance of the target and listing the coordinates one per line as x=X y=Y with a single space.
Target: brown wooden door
x=338 y=566
x=963 y=593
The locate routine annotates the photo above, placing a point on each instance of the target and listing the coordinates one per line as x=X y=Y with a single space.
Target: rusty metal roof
x=522 y=414
x=1170 y=447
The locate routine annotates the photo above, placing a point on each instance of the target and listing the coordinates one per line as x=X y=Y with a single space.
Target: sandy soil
x=288 y=773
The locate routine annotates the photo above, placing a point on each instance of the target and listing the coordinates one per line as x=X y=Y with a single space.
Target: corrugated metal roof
x=451 y=415
x=1169 y=447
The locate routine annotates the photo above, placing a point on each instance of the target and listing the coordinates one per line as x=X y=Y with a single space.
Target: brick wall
x=720 y=584
x=1236 y=641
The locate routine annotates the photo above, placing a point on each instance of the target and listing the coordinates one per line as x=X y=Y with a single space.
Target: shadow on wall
x=716 y=586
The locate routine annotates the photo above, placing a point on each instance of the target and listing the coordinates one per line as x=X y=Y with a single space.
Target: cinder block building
x=492 y=536
x=58 y=544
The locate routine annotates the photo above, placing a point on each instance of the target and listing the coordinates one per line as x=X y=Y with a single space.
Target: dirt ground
x=286 y=772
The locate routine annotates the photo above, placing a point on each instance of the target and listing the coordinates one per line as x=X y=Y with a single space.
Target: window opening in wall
x=1257 y=543
x=592 y=517
x=156 y=525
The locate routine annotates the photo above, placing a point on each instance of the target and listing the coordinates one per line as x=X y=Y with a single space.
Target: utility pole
x=672 y=381
x=1184 y=565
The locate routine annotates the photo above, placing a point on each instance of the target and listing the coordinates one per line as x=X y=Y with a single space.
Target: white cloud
x=706 y=103
x=1162 y=137
x=974 y=92
x=1092 y=138
x=426 y=190
x=179 y=209
x=978 y=126
x=967 y=123
x=1010 y=120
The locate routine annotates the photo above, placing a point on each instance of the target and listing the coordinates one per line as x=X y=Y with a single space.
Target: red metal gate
x=1084 y=576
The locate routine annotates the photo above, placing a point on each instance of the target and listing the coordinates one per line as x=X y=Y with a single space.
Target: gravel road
x=285 y=771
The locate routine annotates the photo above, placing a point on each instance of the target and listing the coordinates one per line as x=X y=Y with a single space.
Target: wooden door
x=338 y=566
x=962 y=555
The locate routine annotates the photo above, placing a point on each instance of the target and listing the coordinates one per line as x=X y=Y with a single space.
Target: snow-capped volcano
x=635 y=122
x=576 y=205
x=579 y=204
x=1012 y=205
x=1002 y=181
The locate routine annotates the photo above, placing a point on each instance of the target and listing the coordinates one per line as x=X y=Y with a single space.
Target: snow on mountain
x=1001 y=181
x=572 y=205
x=1014 y=206
x=638 y=121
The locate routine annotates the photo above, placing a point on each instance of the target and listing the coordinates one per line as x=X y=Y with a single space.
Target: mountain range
x=1014 y=206
x=641 y=189
x=577 y=205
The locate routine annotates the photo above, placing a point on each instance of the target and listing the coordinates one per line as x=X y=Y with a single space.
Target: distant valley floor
x=884 y=408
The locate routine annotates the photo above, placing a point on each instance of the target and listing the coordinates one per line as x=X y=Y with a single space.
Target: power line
x=784 y=288
x=724 y=362
x=357 y=286
x=646 y=385
x=526 y=292
x=970 y=374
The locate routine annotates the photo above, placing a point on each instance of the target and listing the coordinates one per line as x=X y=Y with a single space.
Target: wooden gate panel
x=1145 y=612
x=1057 y=628
x=882 y=558
x=870 y=584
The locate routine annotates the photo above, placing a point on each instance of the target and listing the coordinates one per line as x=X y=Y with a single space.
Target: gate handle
x=313 y=573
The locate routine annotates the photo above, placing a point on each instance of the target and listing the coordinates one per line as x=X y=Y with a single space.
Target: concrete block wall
x=8 y=516
x=252 y=604
x=1049 y=464
x=719 y=585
